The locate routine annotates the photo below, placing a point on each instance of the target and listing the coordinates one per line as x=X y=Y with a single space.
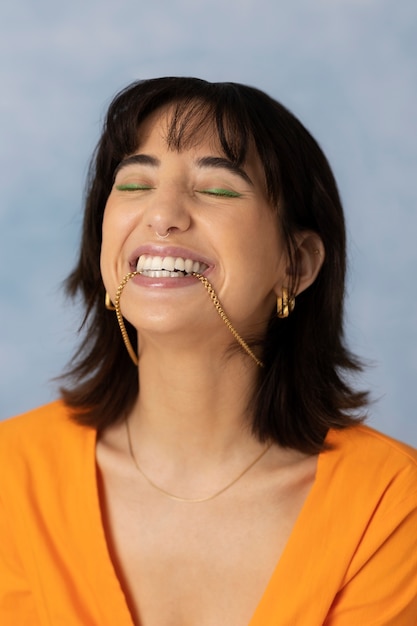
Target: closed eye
x=226 y=193
x=133 y=187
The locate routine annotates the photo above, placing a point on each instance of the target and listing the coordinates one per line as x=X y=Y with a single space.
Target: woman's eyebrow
x=135 y=159
x=209 y=161
x=222 y=163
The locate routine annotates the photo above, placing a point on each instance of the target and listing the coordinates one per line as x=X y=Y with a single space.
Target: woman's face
x=219 y=223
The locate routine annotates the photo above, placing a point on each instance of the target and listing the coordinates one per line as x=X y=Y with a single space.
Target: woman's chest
x=189 y=564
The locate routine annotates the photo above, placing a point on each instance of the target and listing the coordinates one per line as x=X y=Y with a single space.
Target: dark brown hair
x=304 y=388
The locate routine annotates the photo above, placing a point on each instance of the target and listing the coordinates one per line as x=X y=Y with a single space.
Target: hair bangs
x=194 y=120
x=208 y=110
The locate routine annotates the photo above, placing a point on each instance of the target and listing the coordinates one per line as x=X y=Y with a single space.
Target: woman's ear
x=310 y=256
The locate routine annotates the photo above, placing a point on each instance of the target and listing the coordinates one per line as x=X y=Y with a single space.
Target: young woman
x=207 y=462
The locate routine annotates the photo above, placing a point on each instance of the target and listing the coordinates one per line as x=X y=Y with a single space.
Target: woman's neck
x=192 y=404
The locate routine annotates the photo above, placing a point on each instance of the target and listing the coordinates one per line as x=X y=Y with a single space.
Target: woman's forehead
x=181 y=128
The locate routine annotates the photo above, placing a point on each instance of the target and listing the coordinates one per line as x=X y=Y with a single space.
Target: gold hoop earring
x=285 y=304
x=108 y=303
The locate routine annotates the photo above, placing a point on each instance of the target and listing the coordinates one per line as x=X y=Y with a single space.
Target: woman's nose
x=168 y=214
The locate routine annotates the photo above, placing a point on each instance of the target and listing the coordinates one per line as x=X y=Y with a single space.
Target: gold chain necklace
x=178 y=498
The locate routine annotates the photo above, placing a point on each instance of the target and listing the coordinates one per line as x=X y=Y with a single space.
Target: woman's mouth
x=168 y=266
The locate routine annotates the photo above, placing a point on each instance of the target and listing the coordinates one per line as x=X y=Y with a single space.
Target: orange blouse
x=351 y=559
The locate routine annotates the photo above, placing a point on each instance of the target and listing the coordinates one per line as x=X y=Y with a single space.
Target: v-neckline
x=286 y=574
x=110 y=587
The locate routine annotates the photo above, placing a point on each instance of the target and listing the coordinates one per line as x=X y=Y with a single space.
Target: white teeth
x=141 y=263
x=169 y=263
x=179 y=264
x=162 y=274
x=168 y=267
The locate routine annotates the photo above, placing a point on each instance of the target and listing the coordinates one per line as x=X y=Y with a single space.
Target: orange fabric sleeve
x=351 y=559
x=17 y=605
x=54 y=563
x=382 y=580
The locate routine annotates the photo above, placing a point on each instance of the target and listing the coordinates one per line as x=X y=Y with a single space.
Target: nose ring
x=162 y=236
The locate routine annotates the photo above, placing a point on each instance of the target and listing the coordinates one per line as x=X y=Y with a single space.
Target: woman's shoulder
x=372 y=462
x=46 y=430
x=363 y=442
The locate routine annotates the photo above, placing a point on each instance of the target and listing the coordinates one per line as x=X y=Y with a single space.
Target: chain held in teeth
x=214 y=299
x=119 y=316
x=225 y=319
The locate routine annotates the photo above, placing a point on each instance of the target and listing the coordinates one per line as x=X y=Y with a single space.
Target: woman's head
x=303 y=197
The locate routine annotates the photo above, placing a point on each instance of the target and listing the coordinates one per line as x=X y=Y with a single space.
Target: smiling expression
x=219 y=222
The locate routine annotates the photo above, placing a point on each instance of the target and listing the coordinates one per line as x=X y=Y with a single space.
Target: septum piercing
x=162 y=236
x=214 y=299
